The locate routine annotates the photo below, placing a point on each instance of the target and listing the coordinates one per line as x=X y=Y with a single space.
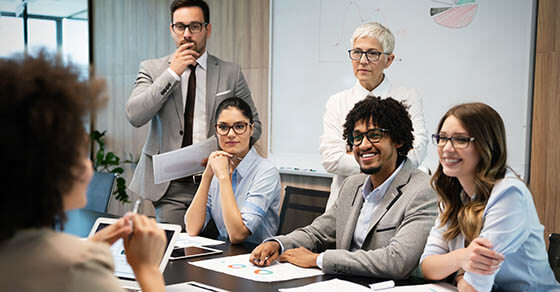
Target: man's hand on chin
x=300 y=256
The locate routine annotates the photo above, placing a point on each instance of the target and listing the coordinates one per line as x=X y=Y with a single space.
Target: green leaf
x=118 y=170
x=112 y=159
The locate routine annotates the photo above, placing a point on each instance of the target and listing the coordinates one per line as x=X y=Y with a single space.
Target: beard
x=371 y=170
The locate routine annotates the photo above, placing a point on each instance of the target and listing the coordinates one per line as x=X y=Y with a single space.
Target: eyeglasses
x=373 y=135
x=459 y=142
x=371 y=56
x=194 y=27
x=238 y=128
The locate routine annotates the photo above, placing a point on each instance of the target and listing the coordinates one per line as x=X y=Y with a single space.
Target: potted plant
x=110 y=162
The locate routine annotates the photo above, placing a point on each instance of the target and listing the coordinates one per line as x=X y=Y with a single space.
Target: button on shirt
x=256 y=187
x=372 y=198
x=200 y=127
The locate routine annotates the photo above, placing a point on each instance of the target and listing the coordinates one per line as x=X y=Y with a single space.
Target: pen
x=134 y=211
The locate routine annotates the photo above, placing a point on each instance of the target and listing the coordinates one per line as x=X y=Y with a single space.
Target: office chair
x=554 y=254
x=300 y=208
x=99 y=191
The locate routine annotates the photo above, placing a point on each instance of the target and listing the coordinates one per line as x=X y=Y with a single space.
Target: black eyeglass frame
x=375 y=53
x=353 y=141
x=232 y=127
x=462 y=139
x=188 y=26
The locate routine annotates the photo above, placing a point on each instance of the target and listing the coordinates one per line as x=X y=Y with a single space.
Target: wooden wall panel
x=545 y=143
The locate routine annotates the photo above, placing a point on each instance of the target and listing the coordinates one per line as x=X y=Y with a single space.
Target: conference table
x=80 y=222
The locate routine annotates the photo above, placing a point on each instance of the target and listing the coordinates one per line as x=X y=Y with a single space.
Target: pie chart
x=460 y=14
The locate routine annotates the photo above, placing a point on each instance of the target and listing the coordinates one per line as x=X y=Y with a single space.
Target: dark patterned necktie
x=189 y=108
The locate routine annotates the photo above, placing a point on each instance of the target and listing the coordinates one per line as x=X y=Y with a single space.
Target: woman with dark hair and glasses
x=488 y=231
x=239 y=189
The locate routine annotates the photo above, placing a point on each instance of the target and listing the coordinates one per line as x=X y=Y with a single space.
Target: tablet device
x=123 y=270
x=192 y=251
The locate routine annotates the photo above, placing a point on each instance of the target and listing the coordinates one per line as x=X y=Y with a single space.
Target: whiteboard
x=485 y=54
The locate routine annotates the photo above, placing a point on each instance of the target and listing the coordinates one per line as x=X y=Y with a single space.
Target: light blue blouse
x=256 y=187
x=512 y=225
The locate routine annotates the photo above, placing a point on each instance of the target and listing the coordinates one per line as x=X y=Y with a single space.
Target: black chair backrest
x=300 y=208
x=99 y=191
x=554 y=254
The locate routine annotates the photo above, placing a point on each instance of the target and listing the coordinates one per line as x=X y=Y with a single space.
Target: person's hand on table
x=265 y=254
x=301 y=257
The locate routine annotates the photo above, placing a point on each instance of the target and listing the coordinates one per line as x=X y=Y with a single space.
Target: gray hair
x=375 y=30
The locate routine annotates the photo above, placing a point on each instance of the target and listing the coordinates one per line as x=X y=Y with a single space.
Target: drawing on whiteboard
x=333 y=39
x=458 y=14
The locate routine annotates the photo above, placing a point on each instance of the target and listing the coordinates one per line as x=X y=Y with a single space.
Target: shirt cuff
x=482 y=283
x=174 y=74
x=319 y=261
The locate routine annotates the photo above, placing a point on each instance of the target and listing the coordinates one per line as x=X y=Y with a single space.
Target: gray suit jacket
x=156 y=97
x=397 y=233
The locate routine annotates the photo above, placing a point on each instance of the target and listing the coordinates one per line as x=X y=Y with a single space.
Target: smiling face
x=459 y=163
x=376 y=159
x=370 y=74
x=233 y=143
x=186 y=15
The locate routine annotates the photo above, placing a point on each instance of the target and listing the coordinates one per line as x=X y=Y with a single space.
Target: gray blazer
x=397 y=232
x=156 y=97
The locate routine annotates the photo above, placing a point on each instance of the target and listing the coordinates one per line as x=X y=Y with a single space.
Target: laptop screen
x=122 y=269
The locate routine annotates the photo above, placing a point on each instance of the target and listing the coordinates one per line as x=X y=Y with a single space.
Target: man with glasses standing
x=380 y=222
x=179 y=94
x=371 y=53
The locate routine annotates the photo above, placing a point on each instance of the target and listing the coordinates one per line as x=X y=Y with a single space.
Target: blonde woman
x=488 y=230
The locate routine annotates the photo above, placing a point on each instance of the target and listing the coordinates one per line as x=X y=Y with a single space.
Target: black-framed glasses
x=373 y=135
x=193 y=27
x=371 y=55
x=458 y=142
x=238 y=128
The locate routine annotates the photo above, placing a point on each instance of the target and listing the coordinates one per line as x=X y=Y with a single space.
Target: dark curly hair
x=42 y=102
x=385 y=113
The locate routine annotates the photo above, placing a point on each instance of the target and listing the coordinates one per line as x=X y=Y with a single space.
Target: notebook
x=123 y=270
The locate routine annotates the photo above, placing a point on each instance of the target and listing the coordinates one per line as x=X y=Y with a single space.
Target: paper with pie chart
x=239 y=266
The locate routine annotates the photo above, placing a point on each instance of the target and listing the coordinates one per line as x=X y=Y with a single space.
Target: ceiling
x=58 y=8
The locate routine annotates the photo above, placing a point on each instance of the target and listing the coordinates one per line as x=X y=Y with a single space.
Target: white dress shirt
x=200 y=127
x=333 y=147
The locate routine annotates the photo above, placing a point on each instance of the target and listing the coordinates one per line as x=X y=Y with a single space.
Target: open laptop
x=123 y=270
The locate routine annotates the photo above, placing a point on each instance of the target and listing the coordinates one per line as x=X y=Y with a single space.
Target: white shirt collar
x=381 y=90
x=203 y=61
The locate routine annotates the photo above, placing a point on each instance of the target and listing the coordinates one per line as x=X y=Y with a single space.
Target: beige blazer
x=43 y=260
x=397 y=232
